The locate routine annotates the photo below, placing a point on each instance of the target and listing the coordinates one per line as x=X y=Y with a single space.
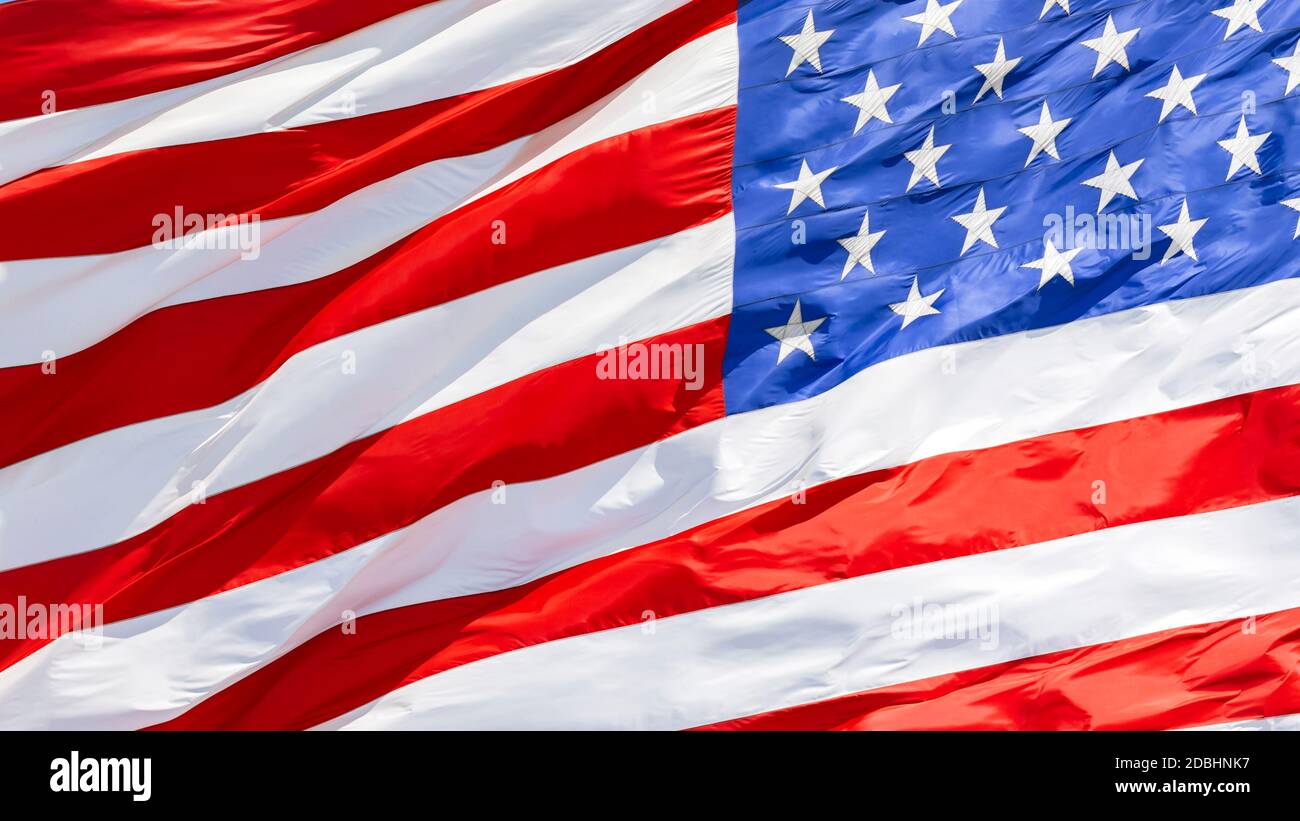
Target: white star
x=935 y=17
x=795 y=335
x=1044 y=134
x=1114 y=181
x=1243 y=148
x=1047 y=5
x=806 y=44
x=1295 y=206
x=1110 y=46
x=996 y=72
x=1053 y=264
x=1241 y=13
x=916 y=306
x=925 y=160
x=1181 y=234
x=859 y=247
x=1178 y=92
x=871 y=102
x=807 y=187
x=979 y=224
x=1291 y=65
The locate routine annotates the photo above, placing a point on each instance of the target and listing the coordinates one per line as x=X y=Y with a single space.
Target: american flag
x=657 y=364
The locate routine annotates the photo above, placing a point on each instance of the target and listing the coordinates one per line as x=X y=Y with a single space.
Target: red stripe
x=1207 y=674
x=1223 y=454
x=379 y=484
x=298 y=171
x=628 y=189
x=97 y=51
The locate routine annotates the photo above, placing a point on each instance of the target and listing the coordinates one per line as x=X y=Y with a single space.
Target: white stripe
x=1090 y=372
x=846 y=637
x=433 y=52
x=104 y=489
x=64 y=305
x=1287 y=722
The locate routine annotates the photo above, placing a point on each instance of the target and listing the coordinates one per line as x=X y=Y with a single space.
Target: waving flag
x=656 y=364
